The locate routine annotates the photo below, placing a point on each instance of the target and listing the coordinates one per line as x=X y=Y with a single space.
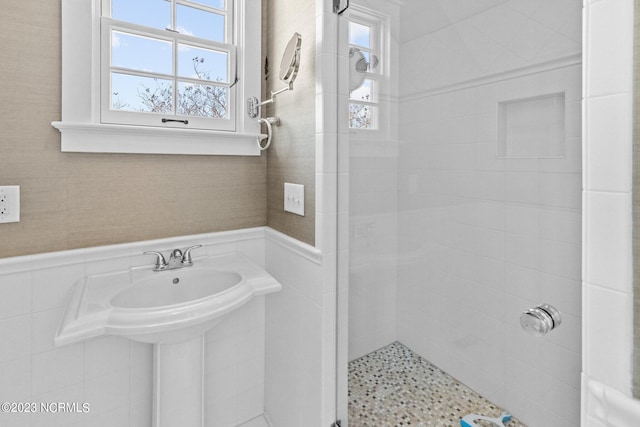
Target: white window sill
x=107 y=138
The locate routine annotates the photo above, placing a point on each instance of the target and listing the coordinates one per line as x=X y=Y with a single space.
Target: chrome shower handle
x=540 y=320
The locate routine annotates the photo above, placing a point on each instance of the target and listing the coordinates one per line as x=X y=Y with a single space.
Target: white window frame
x=379 y=25
x=82 y=128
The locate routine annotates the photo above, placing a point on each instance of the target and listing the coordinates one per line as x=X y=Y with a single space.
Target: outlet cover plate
x=9 y=203
x=294 y=198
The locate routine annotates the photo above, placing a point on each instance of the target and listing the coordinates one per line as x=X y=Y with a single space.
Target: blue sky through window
x=156 y=56
x=141 y=53
x=359 y=35
x=150 y=13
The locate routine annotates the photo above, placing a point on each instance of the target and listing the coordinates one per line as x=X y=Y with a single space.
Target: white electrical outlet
x=9 y=203
x=294 y=198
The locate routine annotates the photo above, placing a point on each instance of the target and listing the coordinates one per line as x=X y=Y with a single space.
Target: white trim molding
x=110 y=138
x=81 y=127
x=303 y=249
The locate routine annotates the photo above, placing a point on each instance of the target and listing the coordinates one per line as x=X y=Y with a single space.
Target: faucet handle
x=186 y=257
x=161 y=263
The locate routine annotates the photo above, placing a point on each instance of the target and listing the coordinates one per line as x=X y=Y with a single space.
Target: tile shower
x=470 y=213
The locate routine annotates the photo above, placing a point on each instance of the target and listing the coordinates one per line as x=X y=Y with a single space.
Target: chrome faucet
x=177 y=259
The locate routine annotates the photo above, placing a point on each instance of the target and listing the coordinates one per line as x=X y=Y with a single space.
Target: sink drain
x=176 y=280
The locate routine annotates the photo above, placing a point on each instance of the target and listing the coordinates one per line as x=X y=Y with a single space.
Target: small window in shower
x=364 y=74
x=532 y=127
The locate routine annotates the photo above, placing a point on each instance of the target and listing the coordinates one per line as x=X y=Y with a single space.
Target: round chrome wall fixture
x=540 y=320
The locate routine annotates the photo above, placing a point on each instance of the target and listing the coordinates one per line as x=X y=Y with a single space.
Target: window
x=364 y=55
x=170 y=61
x=160 y=76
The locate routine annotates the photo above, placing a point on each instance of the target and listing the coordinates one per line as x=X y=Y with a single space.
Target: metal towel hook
x=267 y=121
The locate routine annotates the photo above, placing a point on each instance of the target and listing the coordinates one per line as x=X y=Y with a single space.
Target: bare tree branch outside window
x=193 y=99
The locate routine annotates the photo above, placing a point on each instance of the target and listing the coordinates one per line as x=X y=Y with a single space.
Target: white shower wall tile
x=507 y=226
x=608 y=254
x=609 y=23
x=609 y=126
x=112 y=374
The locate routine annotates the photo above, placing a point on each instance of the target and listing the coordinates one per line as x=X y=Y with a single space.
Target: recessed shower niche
x=532 y=127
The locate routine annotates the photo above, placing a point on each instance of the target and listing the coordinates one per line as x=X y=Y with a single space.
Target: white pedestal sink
x=172 y=310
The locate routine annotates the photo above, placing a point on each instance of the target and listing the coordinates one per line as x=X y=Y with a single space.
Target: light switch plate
x=9 y=203
x=294 y=198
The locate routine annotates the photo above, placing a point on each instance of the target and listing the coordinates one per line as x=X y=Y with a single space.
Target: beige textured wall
x=79 y=200
x=291 y=157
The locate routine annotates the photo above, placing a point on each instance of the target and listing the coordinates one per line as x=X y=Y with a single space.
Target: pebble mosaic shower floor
x=393 y=386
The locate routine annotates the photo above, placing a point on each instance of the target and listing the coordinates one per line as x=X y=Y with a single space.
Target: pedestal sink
x=172 y=310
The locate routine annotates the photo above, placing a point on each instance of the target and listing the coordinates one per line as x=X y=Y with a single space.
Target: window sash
x=373 y=76
x=109 y=115
x=227 y=13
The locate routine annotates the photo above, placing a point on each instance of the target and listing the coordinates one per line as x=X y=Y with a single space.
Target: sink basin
x=183 y=286
x=171 y=309
x=161 y=307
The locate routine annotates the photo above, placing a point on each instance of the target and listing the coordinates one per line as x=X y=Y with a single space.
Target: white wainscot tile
x=44 y=326
x=15 y=337
x=116 y=417
x=141 y=412
x=51 y=285
x=57 y=418
x=57 y=369
x=106 y=354
x=250 y=403
x=15 y=294
x=254 y=249
x=222 y=413
x=108 y=392
x=15 y=380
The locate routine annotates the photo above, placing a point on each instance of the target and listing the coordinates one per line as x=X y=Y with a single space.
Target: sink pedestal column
x=178 y=384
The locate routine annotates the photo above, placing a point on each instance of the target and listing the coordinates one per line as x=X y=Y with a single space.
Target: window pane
x=141 y=53
x=217 y=4
x=360 y=116
x=359 y=35
x=151 y=13
x=135 y=93
x=199 y=23
x=202 y=100
x=204 y=64
x=364 y=92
